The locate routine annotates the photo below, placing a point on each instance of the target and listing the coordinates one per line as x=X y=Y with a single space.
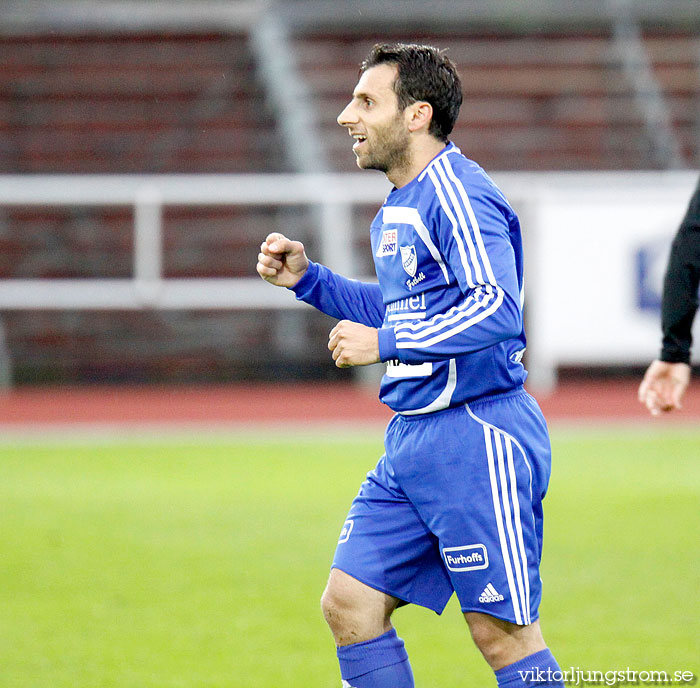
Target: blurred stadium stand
x=255 y=87
x=559 y=100
x=134 y=103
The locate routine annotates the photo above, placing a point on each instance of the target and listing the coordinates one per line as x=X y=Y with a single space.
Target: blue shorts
x=455 y=505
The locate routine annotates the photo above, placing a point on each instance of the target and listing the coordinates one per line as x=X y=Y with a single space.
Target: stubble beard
x=389 y=151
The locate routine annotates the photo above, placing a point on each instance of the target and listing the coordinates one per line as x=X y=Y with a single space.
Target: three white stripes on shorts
x=504 y=492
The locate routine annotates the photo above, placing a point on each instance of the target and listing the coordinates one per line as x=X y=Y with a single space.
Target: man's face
x=373 y=119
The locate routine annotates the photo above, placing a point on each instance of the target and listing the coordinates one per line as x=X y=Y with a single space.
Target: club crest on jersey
x=409 y=259
x=389 y=243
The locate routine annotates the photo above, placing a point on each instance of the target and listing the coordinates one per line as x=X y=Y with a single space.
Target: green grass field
x=200 y=563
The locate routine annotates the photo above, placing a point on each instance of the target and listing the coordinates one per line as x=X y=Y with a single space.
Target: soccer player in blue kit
x=455 y=503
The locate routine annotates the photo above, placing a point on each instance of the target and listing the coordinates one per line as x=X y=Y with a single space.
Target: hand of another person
x=663 y=386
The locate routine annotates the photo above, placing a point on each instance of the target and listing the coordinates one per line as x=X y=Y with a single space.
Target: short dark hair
x=424 y=73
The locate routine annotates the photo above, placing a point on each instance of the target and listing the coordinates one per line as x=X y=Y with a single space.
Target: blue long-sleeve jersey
x=448 y=306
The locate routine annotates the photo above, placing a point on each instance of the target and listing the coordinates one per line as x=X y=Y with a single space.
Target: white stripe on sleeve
x=472 y=218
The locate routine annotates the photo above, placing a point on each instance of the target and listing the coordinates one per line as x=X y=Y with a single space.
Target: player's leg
x=517 y=654
x=507 y=631
x=501 y=642
x=354 y=611
x=386 y=556
x=481 y=494
x=370 y=653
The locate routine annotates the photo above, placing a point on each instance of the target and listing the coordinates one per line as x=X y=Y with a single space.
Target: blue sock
x=378 y=663
x=536 y=671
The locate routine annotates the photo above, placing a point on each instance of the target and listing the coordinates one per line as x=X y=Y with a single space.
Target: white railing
x=334 y=195
x=570 y=222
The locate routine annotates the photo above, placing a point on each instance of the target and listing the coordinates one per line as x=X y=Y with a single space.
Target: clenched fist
x=353 y=344
x=281 y=261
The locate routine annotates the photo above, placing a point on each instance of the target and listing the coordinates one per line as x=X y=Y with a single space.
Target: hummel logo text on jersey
x=490 y=594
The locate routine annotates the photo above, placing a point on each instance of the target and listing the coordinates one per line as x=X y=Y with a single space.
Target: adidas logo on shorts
x=490 y=594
